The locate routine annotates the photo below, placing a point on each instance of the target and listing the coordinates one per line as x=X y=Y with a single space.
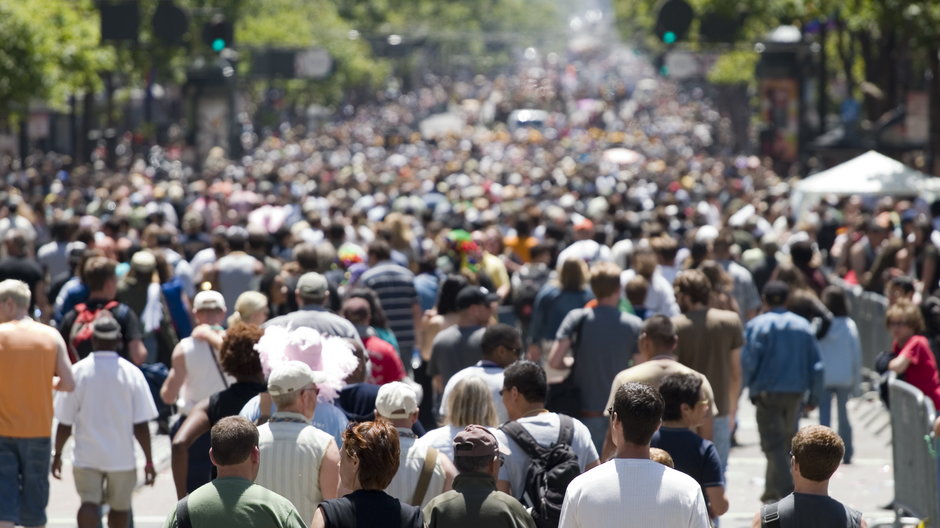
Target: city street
x=867 y=484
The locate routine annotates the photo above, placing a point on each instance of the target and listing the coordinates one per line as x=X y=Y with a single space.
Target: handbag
x=565 y=396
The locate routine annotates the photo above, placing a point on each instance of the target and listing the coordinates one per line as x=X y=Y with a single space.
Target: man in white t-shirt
x=523 y=394
x=502 y=345
x=631 y=490
x=413 y=484
x=110 y=406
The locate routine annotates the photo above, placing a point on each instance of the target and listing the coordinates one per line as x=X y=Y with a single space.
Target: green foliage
x=734 y=67
x=304 y=24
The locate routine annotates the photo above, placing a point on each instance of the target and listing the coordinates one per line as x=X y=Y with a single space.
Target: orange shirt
x=28 y=353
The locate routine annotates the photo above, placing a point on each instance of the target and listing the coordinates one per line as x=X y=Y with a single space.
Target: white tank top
x=203 y=377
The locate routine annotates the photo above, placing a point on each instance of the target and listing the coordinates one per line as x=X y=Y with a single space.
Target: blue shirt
x=327 y=418
x=692 y=454
x=781 y=355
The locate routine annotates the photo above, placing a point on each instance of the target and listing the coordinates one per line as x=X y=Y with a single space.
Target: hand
x=150 y=474
x=534 y=353
x=202 y=332
x=57 y=467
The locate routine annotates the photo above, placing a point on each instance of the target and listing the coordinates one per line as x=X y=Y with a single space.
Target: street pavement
x=867 y=484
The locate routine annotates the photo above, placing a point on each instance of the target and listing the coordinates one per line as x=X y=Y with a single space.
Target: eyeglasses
x=705 y=401
x=516 y=350
x=502 y=459
x=893 y=324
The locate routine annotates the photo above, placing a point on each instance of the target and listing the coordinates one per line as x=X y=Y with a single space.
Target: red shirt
x=922 y=372
x=386 y=365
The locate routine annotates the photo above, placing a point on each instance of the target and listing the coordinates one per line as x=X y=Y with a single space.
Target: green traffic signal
x=669 y=37
x=218 y=44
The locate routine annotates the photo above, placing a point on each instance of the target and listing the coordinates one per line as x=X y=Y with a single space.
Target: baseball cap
x=312 y=285
x=776 y=292
x=209 y=300
x=396 y=400
x=290 y=376
x=585 y=224
x=473 y=295
x=475 y=441
x=106 y=327
x=143 y=261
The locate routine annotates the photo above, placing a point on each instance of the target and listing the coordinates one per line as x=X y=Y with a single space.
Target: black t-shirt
x=229 y=402
x=130 y=326
x=370 y=509
x=805 y=510
x=24 y=270
x=692 y=454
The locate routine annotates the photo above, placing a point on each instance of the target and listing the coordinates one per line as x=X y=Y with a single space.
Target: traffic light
x=673 y=21
x=218 y=33
x=170 y=23
x=119 y=20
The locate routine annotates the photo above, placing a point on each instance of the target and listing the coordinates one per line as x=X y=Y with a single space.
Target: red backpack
x=82 y=329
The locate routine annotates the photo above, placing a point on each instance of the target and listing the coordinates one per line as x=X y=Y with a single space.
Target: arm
x=899 y=364
x=503 y=485
x=64 y=381
x=717 y=500
x=62 y=433
x=450 y=471
x=556 y=357
x=207 y=334
x=319 y=521
x=136 y=351
x=329 y=472
x=170 y=391
x=734 y=385
x=196 y=424
x=142 y=433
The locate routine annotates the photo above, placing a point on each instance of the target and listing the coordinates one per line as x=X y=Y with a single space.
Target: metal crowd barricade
x=868 y=310
x=916 y=490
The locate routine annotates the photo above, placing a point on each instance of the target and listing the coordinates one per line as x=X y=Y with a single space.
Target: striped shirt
x=291 y=453
x=395 y=286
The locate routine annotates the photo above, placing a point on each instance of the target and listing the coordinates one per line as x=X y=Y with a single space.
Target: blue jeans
x=721 y=437
x=825 y=415
x=24 y=480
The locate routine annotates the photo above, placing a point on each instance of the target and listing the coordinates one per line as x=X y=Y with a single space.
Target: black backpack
x=550 y=470
x=527 y=289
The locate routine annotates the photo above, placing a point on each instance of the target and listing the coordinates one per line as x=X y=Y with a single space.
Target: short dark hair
x=818 y=450
x=834 y=299
x=528 y=378
x=232 y=439
x=903 y=283
x=380 y=249
x=472 y=464
x=447 y=295
x=661 y=330
x=376 y=446
x=496 y=335
x=640 y=410
x=695 y=284
x=677 y=389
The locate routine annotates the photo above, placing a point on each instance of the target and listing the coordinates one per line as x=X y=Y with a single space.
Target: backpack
x=81 y=331
x=523 y=296
x=550 y=470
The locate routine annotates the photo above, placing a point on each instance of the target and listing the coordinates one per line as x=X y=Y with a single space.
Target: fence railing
x=916 y=490
x=868 y=310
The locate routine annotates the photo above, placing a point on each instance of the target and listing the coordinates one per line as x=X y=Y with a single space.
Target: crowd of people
x=361 y=324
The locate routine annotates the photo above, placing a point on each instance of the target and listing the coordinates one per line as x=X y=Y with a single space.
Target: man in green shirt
x=474 y=501
x=233 y=499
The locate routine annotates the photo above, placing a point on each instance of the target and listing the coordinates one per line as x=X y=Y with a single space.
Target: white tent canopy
x=870 y=173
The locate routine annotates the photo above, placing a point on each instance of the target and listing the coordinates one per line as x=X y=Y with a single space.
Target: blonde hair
x=471 y=402
x=247 y=304
x=16 y=290
x=903 y=311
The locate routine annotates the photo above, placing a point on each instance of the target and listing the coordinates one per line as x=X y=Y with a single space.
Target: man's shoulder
x=717 y=315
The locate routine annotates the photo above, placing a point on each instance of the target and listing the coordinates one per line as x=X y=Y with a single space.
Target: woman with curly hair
x=239 y=359
x=368 y=462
